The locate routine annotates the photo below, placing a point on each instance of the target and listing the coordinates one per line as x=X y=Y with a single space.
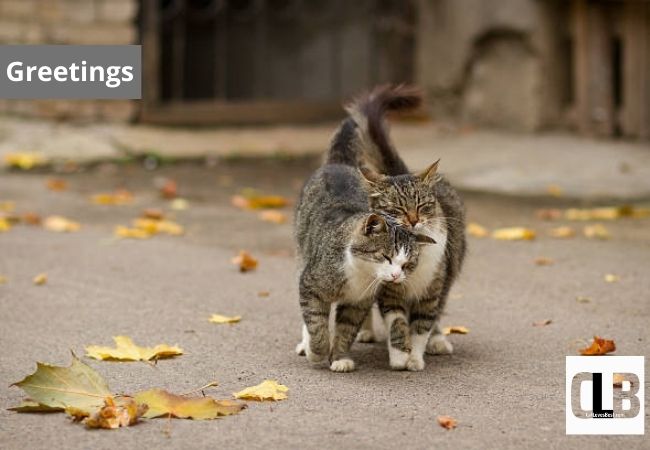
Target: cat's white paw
x=397 y=359
x=365 y=336
x=342 y=365
x=300 y=348
x=415 y=363
x=439 y=345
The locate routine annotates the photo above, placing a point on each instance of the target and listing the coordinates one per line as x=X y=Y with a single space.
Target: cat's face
x=387 y=249
x=409 y=199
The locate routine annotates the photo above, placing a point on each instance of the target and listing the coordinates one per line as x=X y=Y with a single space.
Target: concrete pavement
x=504 y=383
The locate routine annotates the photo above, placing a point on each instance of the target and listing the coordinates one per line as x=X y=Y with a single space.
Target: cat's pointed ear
x=370 y=176
x=374 y=224
x=424 y=239
x=429 y=174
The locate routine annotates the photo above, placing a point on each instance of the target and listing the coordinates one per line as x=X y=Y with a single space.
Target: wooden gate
x=261 y=61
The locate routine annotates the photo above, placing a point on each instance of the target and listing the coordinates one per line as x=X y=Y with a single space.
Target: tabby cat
x=346 y=254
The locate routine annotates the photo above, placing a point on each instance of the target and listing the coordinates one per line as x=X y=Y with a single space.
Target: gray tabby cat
x=425 y=203
x=345 y=253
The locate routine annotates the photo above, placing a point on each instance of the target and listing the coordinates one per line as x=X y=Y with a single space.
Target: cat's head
x=385 y=248
x=410 y=198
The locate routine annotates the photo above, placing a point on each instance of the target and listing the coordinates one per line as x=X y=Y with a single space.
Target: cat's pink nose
x=395 y=275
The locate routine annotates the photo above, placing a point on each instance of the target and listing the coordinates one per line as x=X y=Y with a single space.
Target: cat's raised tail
x=363 y=138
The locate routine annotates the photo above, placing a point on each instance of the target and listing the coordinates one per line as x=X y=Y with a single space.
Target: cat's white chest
x=360 y=279
x=429 y=262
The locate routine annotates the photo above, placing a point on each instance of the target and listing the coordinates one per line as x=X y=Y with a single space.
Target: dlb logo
x=594 y=405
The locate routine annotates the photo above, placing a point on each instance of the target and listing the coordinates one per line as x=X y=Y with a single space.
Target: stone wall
x=83 y=22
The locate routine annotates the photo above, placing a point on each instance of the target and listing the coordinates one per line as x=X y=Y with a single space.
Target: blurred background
x=524 y=65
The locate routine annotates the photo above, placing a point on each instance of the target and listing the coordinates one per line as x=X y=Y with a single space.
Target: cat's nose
x=412 y=218
x=395 y=275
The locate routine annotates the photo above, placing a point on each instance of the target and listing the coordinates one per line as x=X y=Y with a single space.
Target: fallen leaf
x=40 y=279
x=169 y=189
x=131 y=233
x=245 y=261
x=31 y=218
x=612 y=278
x=56 y=184
x=24 y=160
x=543 y=261
x=163 y=403
x=5 y=225
x=458 y=329
x=7 y=206
x=583 y=299
x=599 y=346
x=542 y=323
x=159 y=226
x=263 y=293
x=514 y=234
x=77 y=386
x=218 y=318
x=3 y=280
x=273 y=217
x=122 y=412
x=153 y=214
x=60 y=224
x=548 y=214
x=609 y=213
x=447 y=422
x=126 y=350
x=554 y=190
x=266 y=390
x=562 y=232
x=119 y=197
x=476 y=230
x=179 y=204
x=596 y=231
x=30 y=406
x=251 y=199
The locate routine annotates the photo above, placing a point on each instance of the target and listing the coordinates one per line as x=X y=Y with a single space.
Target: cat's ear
x=374 y=224
x=429 y=174
x=370 y=176
x=423 y=239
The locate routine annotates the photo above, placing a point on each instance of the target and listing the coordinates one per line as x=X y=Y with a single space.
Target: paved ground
x=475 y=160
x=504 y=384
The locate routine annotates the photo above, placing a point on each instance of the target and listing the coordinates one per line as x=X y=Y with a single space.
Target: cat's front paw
x=366 y=336
x=342 y=365
x=439 y=345
x=397 y=359
x=415 y=363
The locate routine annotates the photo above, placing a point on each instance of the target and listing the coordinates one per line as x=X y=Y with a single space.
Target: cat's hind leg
x=315 y=314
x=366 y=333
x=348 y=320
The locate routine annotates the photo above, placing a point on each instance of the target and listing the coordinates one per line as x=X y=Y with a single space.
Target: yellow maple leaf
x=458 y=329
x=251 y=199
x=162 y=403
x=596 y=231
x=40 y=279
x=24 y=160
x=218 y=318
x=60 y=224
x=126 y=350
x=266 y=390
x=514 y=234
x=131 y=233
x=476 y=230
x=5 y=225
x=153 y=226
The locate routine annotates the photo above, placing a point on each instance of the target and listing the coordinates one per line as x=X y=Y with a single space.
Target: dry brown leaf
x=153 y=214
x=123 y=413
x=126 y=350
x=60 y=224
x=457 y=329
x=599 y=346
x=161 y=403
x=273 y=216
x=245 y=261
x=266 y=390
x=30 y=218
x=544 y=261
x=612 y=278
x=119 y=197
x=218 y=318
x=40 y=279
x=476 y=230
x=542 y=323
x=56 y=184
x=447 y=422
x=562 y=232
x=548 y=214
x=263 y=293
x=169 y=189
x=514 y=234
x=596 y=231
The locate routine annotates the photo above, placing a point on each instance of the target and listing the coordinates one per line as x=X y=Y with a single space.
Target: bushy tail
x=363 y=138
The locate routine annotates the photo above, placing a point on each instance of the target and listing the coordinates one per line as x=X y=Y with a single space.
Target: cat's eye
x=408 y=266
x=426 y=208
x=387 y=259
